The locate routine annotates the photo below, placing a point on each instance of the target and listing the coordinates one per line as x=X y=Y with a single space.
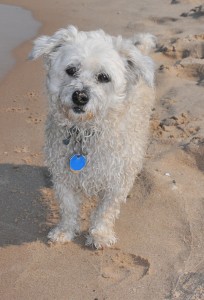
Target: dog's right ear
x=41 y=47
x=45 y=45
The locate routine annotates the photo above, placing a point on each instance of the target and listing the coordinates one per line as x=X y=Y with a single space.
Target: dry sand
x=160 y=252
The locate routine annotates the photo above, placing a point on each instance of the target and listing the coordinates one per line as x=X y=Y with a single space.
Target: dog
x=101 y=94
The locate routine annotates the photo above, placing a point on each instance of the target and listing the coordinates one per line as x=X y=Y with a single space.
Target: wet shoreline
x=17 y=25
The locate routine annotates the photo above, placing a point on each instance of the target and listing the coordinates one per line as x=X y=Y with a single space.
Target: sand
x=160 y=251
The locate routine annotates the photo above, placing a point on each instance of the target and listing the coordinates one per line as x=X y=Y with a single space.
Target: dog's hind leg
x=69 y=210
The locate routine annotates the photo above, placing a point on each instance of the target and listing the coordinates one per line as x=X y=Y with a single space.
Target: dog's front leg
x=101 y=232
x=69 y=208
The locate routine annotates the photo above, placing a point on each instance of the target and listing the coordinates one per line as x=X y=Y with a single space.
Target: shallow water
x=16 y=26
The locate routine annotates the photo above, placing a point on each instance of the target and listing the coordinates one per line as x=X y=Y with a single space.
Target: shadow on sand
x=24 y=207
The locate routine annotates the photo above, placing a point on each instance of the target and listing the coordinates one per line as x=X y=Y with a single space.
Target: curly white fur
x=113 y=127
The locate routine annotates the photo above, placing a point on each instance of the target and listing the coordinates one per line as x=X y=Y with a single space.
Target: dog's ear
x=140 y=66
x=45 y=45
x=137 y=64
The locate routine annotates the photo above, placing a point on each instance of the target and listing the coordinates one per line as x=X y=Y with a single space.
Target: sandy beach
x=160 y=249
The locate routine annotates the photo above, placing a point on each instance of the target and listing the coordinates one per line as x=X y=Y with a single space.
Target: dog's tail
x=145 y=42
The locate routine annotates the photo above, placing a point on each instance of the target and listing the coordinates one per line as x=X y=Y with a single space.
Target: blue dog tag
x=77 y=162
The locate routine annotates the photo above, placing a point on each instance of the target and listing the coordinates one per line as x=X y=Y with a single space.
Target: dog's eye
x=71 y=71
x=103 y=78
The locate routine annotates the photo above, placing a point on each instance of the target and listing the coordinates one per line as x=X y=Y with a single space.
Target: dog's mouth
x=78 y=110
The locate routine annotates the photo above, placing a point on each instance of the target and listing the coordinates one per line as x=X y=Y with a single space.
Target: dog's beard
x=81 y=114
x=76 y=113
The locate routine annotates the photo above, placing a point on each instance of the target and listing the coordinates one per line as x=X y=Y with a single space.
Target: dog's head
x=91 y=73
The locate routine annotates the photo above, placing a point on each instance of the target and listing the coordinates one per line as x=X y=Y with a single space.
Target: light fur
x=113 y=129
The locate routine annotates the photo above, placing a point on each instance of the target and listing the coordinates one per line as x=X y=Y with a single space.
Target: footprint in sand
x=196 y=12
x=23 y=149
x=32 y=95
x=196 y=149
x=177 y=127
x=162 y=20
x=117 y=266
x=15 y=110
x=190 y=286
x=190 y=68
x=33 y=120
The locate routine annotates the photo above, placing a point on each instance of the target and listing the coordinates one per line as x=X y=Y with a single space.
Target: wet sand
x=160 y=252
x=16 y=26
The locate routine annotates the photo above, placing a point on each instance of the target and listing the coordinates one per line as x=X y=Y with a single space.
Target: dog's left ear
x=137 y=64
x=145 y=42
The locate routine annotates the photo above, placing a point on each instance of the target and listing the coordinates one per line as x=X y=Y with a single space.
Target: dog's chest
x=103 y=162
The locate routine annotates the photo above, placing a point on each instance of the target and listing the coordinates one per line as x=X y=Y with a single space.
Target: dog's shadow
x=27 y=207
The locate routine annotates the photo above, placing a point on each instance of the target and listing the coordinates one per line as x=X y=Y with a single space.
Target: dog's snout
x=80 y=98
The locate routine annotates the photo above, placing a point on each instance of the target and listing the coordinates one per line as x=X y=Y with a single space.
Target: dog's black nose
x=80 y=98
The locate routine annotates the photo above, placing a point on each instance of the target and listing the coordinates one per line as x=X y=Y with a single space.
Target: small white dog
x=100 y=99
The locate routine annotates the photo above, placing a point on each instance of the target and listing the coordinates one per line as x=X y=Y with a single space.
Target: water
x=16 y=26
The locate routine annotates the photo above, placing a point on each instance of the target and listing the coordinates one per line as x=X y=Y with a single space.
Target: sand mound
x=192 y=45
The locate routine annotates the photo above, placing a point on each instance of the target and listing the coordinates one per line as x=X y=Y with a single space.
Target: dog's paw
x=100 y=239
x=60 y=235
